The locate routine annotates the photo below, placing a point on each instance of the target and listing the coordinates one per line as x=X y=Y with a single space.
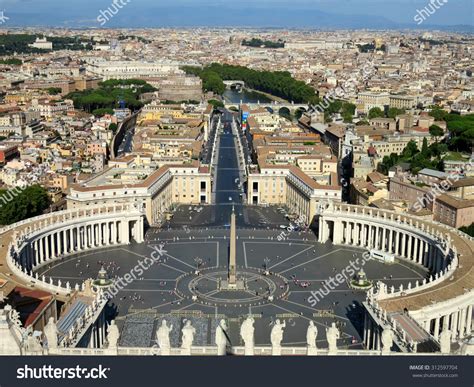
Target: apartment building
x=368 y=100
x=402 y=101
x=291 y=187
x=453 y=211
x=132 y=69
x=157 y=190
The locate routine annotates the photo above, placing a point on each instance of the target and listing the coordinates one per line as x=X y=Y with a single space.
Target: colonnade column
x=404 y=245
x=436 y=328
x=469 y=320
x=415 y=249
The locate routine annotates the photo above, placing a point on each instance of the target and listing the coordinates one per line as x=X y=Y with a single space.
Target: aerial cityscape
x=235 y=190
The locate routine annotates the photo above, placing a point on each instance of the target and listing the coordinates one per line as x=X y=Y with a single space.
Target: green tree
x=469 y=230
x=436 y=131
x=11 y=61
x=113 y=127
x=102 y=112
x=110 y=93
x=216 y=103
x=32 y=201
x=438 y=113
x=54 y=90
x=410 y=150
x=375 y=112
x=424 y=149
x=393 y=112
x=278 y=83
x=212 y=82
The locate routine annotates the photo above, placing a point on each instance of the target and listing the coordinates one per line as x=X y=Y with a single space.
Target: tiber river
x=245 y=96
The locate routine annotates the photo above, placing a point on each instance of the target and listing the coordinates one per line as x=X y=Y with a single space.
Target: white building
x=132 y=69
x=42 y=43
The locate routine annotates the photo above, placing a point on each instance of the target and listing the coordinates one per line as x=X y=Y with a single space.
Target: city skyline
x=259 y=178
x=324 y=14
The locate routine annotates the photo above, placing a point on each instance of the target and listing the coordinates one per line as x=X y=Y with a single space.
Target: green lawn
x=456 y=156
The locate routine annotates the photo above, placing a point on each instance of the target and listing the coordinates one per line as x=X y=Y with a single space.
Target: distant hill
x=192 y=16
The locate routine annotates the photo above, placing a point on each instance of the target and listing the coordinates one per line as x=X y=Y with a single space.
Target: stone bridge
x=235 y=84
x=273 y=106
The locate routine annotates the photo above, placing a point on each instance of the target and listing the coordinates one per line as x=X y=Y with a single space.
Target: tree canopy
x=436 y=131
x=277 y=83
x=469 y=230
x=460 y=128
x=375 y=112
x=20 y=43
x=256 y=42
x=428 y=157
x=109 y=95
x=32 y=201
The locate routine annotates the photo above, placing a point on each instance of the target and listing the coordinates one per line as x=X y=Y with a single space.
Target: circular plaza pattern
x=62 y=250
x=259 y=287
x=299 y=263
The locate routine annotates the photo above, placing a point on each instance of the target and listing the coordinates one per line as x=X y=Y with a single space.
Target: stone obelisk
x=232 y=251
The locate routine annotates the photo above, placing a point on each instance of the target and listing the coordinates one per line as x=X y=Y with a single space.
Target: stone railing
x=416 y=227
x=34 y=279
x=46 y=223
x=388 y=321
x=374 y=214
x=384 y=292
x=83 y=323
x=212 y=351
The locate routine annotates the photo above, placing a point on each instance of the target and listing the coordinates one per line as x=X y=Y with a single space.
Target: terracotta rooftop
x=455 y=202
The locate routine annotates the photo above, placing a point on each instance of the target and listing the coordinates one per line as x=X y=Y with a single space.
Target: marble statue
x=332 y=334
x=221 y=338
x=467 y=347
x=32 y=343
x=331 y=205
x=387 y=340
x=163 y=336
x=113 y=335
x=276 y=336
x=445 y=341
x=51 y=333
x=10 y=338
x=188 y=332
x=247 y=333
x=311 y=336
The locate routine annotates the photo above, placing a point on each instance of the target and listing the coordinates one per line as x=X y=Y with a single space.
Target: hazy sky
x=282 y=13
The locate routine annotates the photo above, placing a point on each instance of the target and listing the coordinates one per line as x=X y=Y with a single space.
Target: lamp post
x=266 y=261
x=198 y=262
